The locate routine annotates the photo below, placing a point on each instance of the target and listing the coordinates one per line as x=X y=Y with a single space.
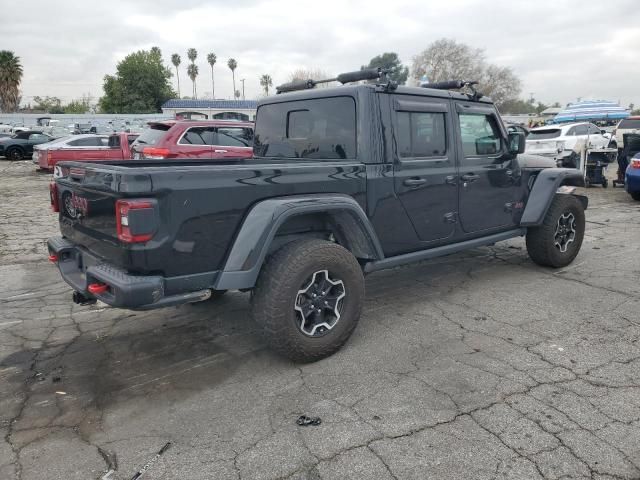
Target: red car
x=195 y=139
x=84 y=148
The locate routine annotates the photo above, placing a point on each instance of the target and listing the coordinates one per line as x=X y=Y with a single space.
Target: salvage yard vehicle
x=190 y=139
x=84 y=148
x=20 y=145
x=562 y=142
x=344 y=182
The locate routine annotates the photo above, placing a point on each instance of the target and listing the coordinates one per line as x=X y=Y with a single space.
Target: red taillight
x=635 y=163
x=49 y=157
x=53 y=258
x=154 y=153
x=123 y=223
x=53 y=194
x=96 y=288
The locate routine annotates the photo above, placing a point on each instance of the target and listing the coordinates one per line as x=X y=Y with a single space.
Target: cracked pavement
x=478 y=365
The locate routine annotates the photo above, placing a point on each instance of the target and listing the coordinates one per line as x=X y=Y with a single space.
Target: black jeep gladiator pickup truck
x=344 y=181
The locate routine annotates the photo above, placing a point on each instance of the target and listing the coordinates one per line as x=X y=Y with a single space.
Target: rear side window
x=544 y=134
x=151 y=135
x=88 y=142
x=198 y=136
x=234 y=137
x=630 y=123
x=480 y=135
x=323 y=128
x=421 y=134
x=579 y=130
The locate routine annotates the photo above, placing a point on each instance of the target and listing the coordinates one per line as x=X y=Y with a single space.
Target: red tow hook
x=53 y=258
x=96 y=288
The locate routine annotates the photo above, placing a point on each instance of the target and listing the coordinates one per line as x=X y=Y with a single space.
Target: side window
x=38 y=137
x=571 y=132
x=593 y=130
x=421 y=134
x=581 y=130
x=198 y=136
x=480 y=135
x=88 y=142
x=233 y=137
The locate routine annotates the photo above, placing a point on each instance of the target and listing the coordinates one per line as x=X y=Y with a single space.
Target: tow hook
x=82 y=299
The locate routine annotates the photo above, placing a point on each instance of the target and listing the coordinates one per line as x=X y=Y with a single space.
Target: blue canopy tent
x=591 y=110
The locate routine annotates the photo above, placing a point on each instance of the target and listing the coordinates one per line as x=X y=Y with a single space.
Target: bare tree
x=311 y=73
x=446 y=59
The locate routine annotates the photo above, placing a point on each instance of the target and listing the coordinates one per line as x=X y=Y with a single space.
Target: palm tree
x=232 y=64
x=266 y=82
x=175 y=59
x=211 y=58
x=10 y=78
x=192 y=71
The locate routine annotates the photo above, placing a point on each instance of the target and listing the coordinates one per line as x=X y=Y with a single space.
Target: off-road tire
x=635 y=195
x=15 y=154
x=273 y=299
x=541 y=240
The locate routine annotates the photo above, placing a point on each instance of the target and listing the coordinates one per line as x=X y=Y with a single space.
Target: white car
x=627 y=125
x=562 y=141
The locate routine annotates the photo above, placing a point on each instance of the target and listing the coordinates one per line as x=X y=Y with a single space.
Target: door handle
x=470 y=177
x=450 y=180
x=220 y=151
x=414 y=182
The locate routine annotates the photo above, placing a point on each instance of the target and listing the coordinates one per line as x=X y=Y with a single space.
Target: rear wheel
x=308 y=299
x=635 y=195
x=557 y=241
x=15 y=154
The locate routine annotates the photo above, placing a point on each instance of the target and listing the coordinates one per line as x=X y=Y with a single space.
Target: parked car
x=627 y=125
x=560 y=142
x=344 y=181
x=632 y=177
x=20 y=145
x=201 y=139
x=84 y=148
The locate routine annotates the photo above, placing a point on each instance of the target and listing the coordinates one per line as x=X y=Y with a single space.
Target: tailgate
x=87 y=195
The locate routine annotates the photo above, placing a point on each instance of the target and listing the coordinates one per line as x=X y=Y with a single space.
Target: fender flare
x=545 y=187
x=252 y=242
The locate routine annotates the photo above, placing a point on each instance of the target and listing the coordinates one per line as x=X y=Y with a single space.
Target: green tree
x=232 y=64
x=141 y=84
x=390 y=60
x=265 y=82
x=192 y=72
x=77 y=106
x=211 y=59
x=10 y=78
x=48 y=104
x=175 y=59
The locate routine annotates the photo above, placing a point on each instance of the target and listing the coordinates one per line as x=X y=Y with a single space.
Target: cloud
x=560 y=50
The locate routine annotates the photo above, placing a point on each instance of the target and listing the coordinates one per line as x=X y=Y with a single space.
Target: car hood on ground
x=526 y=160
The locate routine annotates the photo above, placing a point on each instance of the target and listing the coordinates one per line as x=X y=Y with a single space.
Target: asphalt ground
x=478 y=365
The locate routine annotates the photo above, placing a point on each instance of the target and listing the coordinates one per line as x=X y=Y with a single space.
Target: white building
x=211 y=109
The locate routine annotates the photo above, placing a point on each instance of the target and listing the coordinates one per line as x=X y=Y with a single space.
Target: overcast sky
x=560 y=49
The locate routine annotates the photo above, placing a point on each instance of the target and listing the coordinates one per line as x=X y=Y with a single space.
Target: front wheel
x=557 y=241
x=15 y=154
x=308 y=299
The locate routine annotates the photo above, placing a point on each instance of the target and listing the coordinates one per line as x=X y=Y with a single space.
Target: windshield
x=543 y=134
x=151 y=135
x=630 y=123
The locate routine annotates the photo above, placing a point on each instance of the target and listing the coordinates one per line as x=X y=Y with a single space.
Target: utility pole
x=242 y=80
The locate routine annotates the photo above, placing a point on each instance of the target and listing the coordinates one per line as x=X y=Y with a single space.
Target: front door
x=489 y=175
x=425 y=171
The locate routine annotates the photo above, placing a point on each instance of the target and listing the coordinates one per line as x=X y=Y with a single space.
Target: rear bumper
x=79 y=269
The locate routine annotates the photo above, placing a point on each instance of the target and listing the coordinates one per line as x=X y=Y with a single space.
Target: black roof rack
x=456 y=85
x=348 y=77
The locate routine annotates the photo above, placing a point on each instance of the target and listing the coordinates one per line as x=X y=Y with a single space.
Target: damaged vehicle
x=344 y=182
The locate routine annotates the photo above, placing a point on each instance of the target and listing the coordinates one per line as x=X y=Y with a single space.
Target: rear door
x=233 y=142
x=425 y=170
x=489 y=175
x=196 y=142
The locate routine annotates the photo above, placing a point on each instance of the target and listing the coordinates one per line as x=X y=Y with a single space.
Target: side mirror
x=516 y=143
x=603 y=132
